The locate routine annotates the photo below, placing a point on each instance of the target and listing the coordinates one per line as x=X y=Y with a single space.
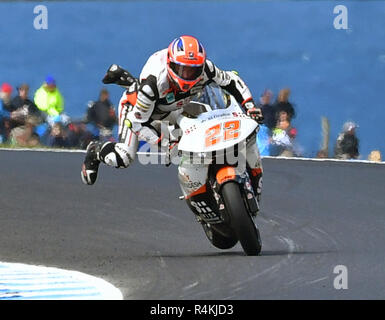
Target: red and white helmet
x=186 y=59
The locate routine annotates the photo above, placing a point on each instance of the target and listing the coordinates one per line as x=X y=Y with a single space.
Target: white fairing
x=209 y=127
x=215 y=130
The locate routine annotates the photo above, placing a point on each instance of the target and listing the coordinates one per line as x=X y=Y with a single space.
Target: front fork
x=250 y=188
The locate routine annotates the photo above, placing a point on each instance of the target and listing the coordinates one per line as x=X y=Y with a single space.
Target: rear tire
x=217 y=239
x=240 y=220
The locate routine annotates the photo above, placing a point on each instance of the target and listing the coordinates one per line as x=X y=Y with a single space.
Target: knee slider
x=115 y=155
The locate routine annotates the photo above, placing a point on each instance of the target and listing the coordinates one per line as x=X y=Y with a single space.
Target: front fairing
x=216 y=129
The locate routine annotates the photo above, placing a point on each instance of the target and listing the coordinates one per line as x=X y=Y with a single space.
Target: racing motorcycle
x=208 y=142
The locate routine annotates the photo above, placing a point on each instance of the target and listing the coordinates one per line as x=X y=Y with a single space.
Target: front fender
x=228 y=173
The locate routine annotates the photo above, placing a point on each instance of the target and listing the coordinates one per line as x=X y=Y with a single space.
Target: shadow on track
x=231 y=254
x=286 y=252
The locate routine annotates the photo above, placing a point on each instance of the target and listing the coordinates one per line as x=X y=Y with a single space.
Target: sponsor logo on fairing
x=193 y=185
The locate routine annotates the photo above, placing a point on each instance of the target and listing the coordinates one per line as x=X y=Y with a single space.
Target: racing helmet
x=186 y=59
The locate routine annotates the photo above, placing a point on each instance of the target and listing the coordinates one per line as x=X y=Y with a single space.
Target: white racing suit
x=157 y=100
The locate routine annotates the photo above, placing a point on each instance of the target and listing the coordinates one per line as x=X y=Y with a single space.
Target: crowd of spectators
x=42 y=121
x=277 y=134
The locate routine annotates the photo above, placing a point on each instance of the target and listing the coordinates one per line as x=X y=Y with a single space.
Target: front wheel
x=240 y=219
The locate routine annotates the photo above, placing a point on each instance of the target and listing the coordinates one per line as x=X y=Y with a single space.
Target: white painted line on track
x=322 y=160
x=68 y=151
x=29 y=282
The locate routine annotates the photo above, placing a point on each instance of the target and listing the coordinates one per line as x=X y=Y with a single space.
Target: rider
x=168 y=81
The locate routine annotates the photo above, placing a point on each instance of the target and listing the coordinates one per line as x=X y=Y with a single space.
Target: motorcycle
x=208 y=142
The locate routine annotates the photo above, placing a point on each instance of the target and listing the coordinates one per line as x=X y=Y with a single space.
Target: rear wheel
x=220 y=240
x=240 y=220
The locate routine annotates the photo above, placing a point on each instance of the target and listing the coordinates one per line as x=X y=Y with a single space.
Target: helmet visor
x=188 y=73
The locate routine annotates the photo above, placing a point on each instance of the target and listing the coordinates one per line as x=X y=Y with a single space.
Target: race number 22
x=229 y=131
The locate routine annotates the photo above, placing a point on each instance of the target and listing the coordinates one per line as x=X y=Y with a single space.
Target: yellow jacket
x=50 y=102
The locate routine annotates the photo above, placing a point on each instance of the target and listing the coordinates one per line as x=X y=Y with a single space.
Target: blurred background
x=334 y=73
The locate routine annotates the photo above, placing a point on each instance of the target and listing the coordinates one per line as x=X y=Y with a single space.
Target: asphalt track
x=131 y=230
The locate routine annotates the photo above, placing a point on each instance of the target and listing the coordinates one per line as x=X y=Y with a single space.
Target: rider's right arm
x=148 y=92
x=147 y=96
x=141 y=112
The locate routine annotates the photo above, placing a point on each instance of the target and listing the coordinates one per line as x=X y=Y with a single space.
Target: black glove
x=116 y=74
x=254 y=112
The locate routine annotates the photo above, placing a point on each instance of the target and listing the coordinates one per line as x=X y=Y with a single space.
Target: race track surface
x=131 y=230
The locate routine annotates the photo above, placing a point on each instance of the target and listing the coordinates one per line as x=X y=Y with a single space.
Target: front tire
x=240 y=220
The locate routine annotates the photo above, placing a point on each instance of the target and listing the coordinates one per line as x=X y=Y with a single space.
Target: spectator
x=280 y=140
x=57 y=136
x=268 y=110
x=283 y=122
x=48 y=98
x=22 y=108
x=25 y=135
x=5 y=95
x=77 y=135
x=263 y=140
x=264 y=133
x=283 y=135
x=283 y=104
x=5 y=109
x=347 y=144
x=101 y=115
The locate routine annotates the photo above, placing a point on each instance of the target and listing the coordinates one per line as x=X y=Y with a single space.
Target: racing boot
x=91 y=163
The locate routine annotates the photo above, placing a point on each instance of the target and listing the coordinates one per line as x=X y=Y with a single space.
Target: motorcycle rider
x=169 y=80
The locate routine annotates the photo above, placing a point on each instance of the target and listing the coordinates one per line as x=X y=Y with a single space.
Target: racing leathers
x=155 y=97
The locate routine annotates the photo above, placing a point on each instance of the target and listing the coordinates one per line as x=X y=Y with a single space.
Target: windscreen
x=214 y=96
